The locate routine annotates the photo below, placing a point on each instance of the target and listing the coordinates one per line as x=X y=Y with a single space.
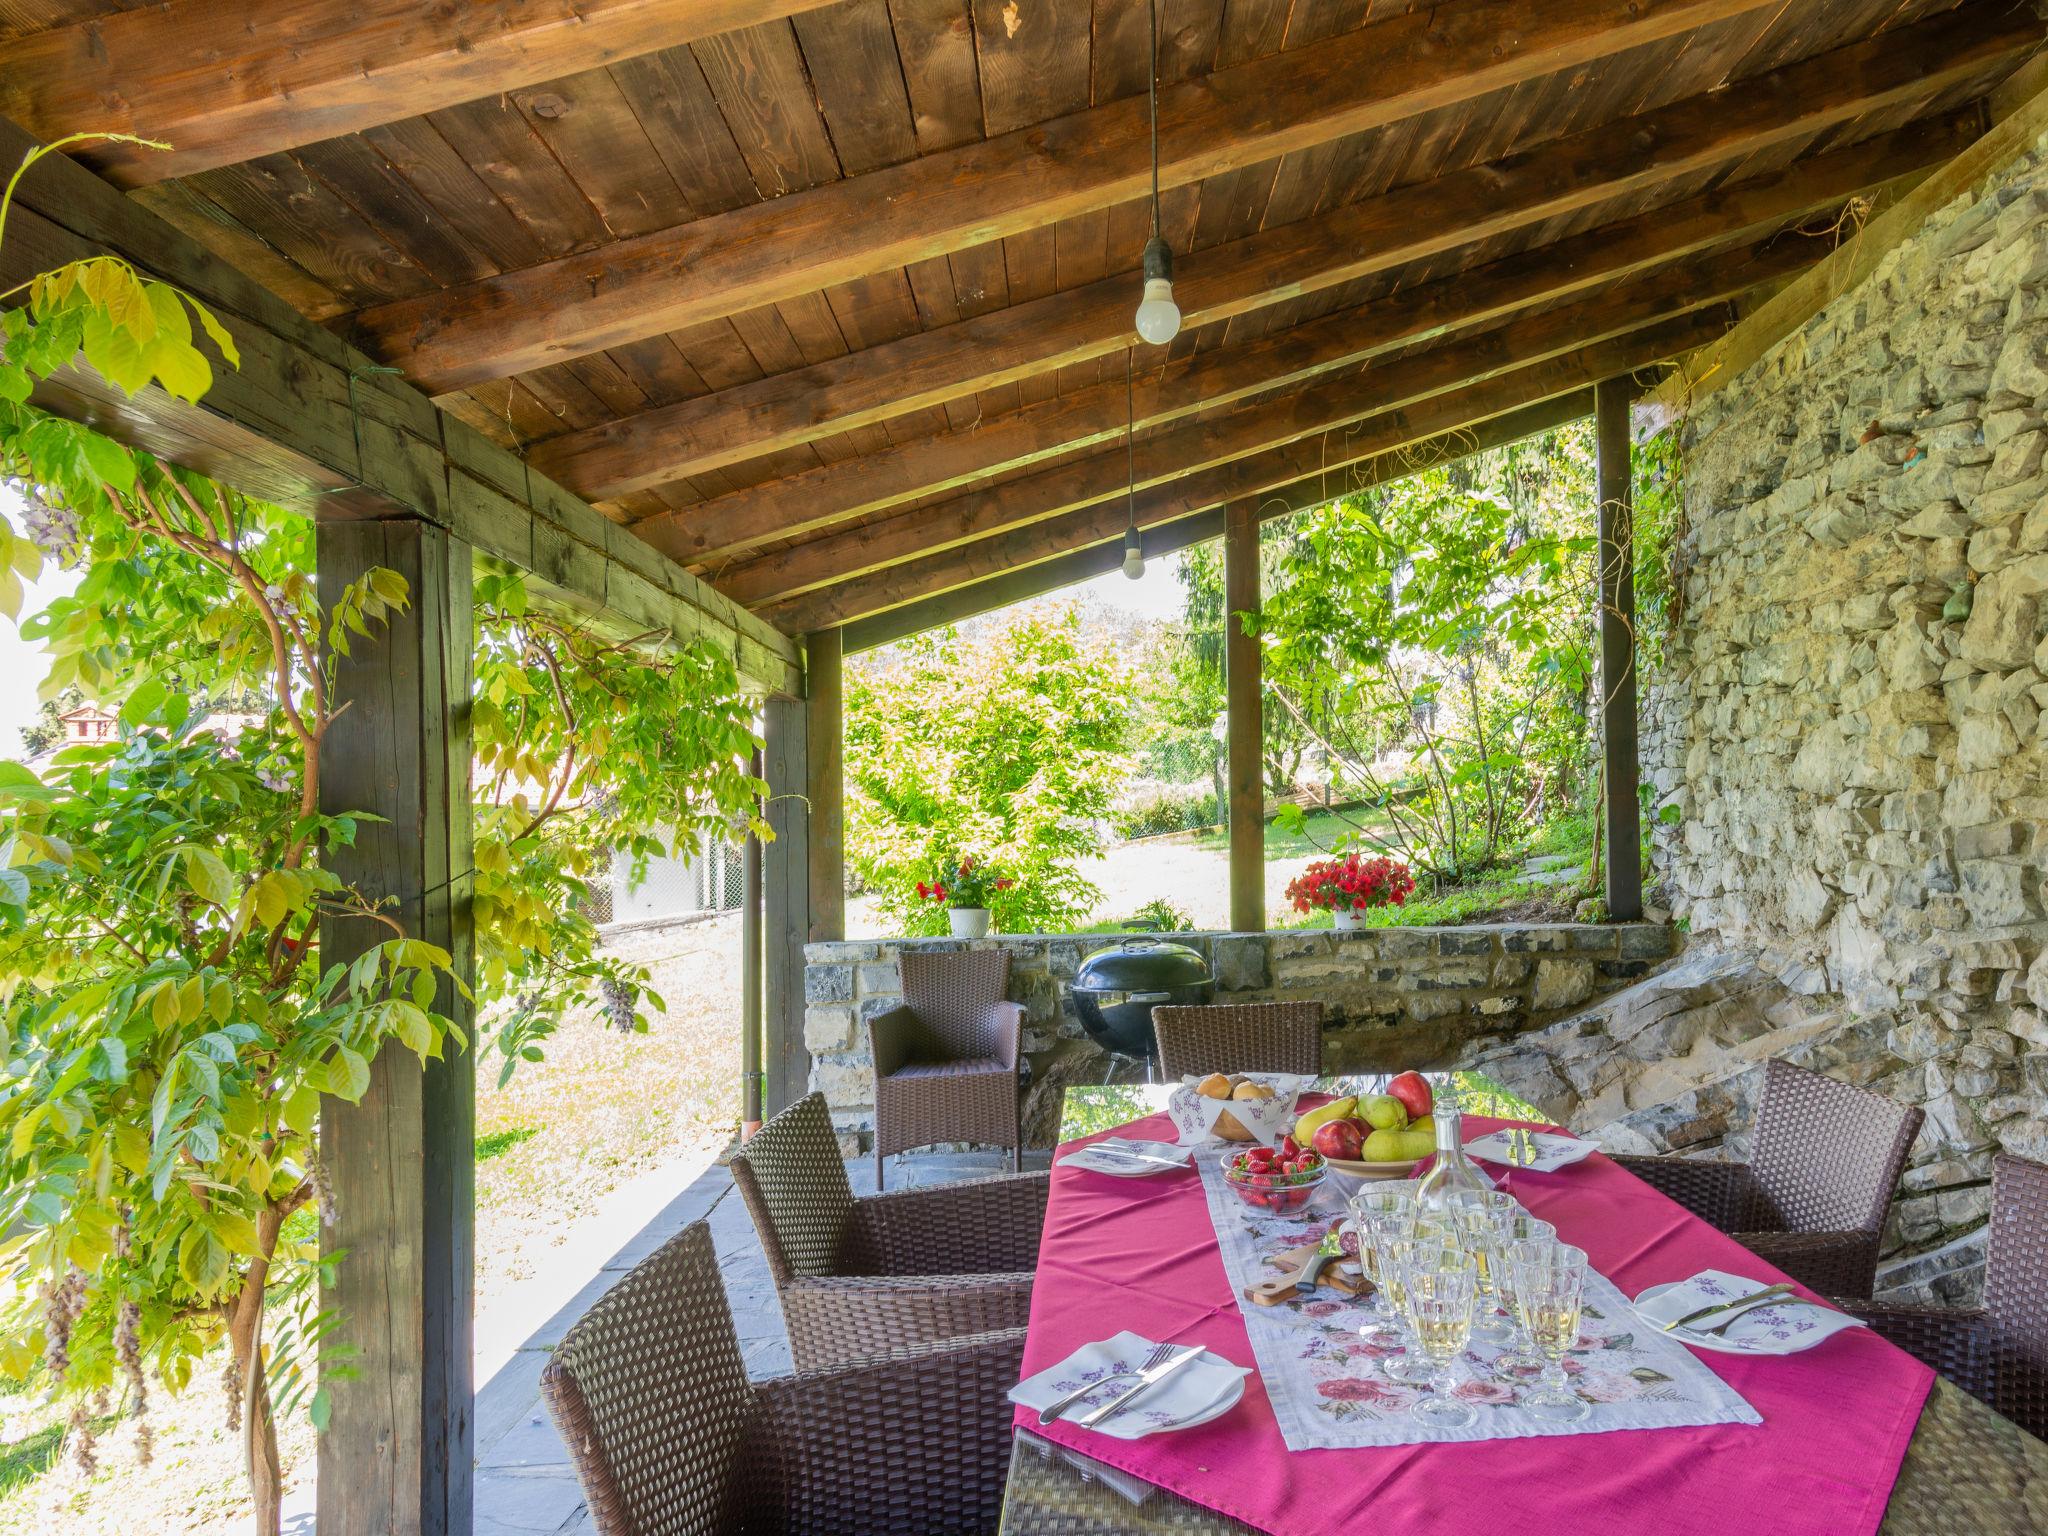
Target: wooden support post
x=750 y=977
x=1246 y=718
x=824 y=711
x=786 y=905
x=1622 y=833
x=395 y=1459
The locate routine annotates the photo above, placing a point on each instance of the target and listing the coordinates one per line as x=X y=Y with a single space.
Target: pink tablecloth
x=1141 y=1254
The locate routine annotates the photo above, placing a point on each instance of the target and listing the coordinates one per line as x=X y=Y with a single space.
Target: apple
x=1383 y=1112
x=1339 y=1139
x=1413 y=1092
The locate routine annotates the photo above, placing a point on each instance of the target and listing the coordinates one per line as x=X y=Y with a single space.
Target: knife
x=1146 y=1383
x=1779 y=1290
x=1145 y=1158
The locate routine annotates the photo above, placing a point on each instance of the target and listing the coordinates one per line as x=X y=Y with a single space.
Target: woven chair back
x=1827 y=1154
x=793 y=1179
x=1239 y=1037
x=651 y=1396
x=2016 y=1288
x=950 y=993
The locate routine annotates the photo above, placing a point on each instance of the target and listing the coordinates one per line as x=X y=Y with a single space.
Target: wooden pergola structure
x=803 y=325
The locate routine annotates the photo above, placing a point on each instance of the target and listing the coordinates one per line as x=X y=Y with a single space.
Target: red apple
x=1413 y=1092
x=1339 y=1139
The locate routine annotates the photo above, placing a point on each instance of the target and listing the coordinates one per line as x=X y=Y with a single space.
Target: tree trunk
x=245 y=1333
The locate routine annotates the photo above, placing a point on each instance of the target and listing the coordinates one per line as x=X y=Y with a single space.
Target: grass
x=23 y=1461
x=1319 y=830
x=500 y=1142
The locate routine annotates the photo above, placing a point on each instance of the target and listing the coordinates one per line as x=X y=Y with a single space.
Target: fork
x=1762 y=1306
x=1159 y=1356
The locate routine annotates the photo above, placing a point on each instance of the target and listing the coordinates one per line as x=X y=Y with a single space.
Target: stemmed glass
x=1550 y=1283
x=1520 y=1358
x=1479 y=1233
x=1440 y=1285
x=1381 y=1215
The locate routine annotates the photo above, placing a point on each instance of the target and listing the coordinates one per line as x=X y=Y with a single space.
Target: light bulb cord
x=1130 y=443
x=1152 y=93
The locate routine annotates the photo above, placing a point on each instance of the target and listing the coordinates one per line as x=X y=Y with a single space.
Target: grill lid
x=1142 y=965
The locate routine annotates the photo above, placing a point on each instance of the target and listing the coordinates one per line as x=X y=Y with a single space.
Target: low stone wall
x=1394 y=997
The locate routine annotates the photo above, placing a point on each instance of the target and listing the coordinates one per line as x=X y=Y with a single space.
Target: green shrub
x=1165 y=808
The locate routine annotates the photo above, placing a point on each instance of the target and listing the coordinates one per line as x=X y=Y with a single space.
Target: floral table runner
x=1326 y=1394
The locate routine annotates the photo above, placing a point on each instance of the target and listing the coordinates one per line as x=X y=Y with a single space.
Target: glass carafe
x=1452 y=1170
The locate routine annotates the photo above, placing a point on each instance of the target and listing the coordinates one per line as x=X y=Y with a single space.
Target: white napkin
x=1194 y=1117
x=1187 y=1392
x=1100 y=1157
x=1764 y=1330
x=1553 y=1151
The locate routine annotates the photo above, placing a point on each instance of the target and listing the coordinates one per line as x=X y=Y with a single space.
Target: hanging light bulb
x=1158 y=315
x=1134 y=548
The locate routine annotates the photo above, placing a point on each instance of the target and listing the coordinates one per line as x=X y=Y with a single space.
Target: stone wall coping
x=853 y=951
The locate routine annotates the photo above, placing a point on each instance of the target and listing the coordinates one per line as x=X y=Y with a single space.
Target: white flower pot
x=1347 y=918
x=968 y=922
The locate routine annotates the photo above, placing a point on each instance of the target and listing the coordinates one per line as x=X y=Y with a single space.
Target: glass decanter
x=1451 y=1170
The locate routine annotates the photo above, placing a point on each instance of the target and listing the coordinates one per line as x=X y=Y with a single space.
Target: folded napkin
x=1188 y=1392
x=1102 y=1157
x=1194 y=1117
x=1764 y=1330
x=1552 y=1150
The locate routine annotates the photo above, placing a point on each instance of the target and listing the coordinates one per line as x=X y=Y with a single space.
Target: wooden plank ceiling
x=832 y=301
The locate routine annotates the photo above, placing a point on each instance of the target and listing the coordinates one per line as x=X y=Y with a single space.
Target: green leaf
x=209 y=878
x=218 y=332
x=320 y=1410
x=348 y=1075
x=202 y=1259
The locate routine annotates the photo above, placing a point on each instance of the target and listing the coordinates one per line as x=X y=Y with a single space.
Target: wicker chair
x=667 y=1433
x=1814 y=1197
x=861 y=1275
x=1239 y=1037
x=1997 y=1352
x=946 y=1061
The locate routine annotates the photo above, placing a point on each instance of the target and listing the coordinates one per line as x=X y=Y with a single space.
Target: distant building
x=88 y=722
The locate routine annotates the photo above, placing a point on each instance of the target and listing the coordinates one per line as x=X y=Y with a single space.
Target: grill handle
x=1150 y=997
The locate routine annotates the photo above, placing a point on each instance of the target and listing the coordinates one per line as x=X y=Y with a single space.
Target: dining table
x=1963 y=1467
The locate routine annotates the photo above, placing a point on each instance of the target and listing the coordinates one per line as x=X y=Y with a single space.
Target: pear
x=1382 y=1112
x=1336 y=1109
x=1415 y=1144
x=1385 y=1147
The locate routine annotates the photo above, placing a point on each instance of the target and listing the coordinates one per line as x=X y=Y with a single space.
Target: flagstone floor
x=525 y=1485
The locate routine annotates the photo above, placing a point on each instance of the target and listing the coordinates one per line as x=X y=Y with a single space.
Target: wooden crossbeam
x=1092 y=159
x=230 y=80
x=1326 y=407
x=1563 y=176
x=812 y=499
x=1311 y=457
x=1036 y=580
x=310 y=423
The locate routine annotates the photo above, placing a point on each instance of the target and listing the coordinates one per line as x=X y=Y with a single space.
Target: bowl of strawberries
x=1281 y=1178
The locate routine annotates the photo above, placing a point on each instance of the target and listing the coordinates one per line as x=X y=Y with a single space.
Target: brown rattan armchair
x=858 y=1275
x=1999 y=1351
x=1814 y=1195
x=946 y=1060
x=1239 y=1037
x=652 y=1399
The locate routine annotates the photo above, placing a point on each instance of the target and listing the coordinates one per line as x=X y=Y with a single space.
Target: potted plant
x=1348 y=887
x=964 y=885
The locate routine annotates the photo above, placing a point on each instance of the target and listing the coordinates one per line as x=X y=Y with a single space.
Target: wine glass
x=1381 y=1215
x=1480 y=1236
x=1440 y=1286
x=1520 y=1359
x=1550 y=1283
x=1424 y=1237
x=1497 y=1204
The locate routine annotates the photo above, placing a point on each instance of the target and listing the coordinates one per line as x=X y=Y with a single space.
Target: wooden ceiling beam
x=1032 y=581
x=1331 y=405
x=228 y=82
x=1562 y=176
x=1252 y=476
x=812 y=499
x=789 y=246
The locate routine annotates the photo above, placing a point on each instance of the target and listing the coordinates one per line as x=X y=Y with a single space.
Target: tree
x=1007 y=749
x=1283 y=742
x=1430 y=635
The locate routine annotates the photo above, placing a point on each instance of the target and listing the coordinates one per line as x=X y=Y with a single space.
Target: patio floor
x=525 y=1485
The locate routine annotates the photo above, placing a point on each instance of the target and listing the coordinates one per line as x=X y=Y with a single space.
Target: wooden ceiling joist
x=310 y=423
x=1032 y=581
x=1562 y=176
x=1330 y=406
x=1326 y=456
x=224 y=81
x=809 y=500
x=769 y=252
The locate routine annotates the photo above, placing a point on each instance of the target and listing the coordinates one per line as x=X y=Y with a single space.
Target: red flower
x=1005 y=883
x=921 y=889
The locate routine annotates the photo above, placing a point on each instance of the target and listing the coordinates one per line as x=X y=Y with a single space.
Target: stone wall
x=1850 y=720
x=1393 y=997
